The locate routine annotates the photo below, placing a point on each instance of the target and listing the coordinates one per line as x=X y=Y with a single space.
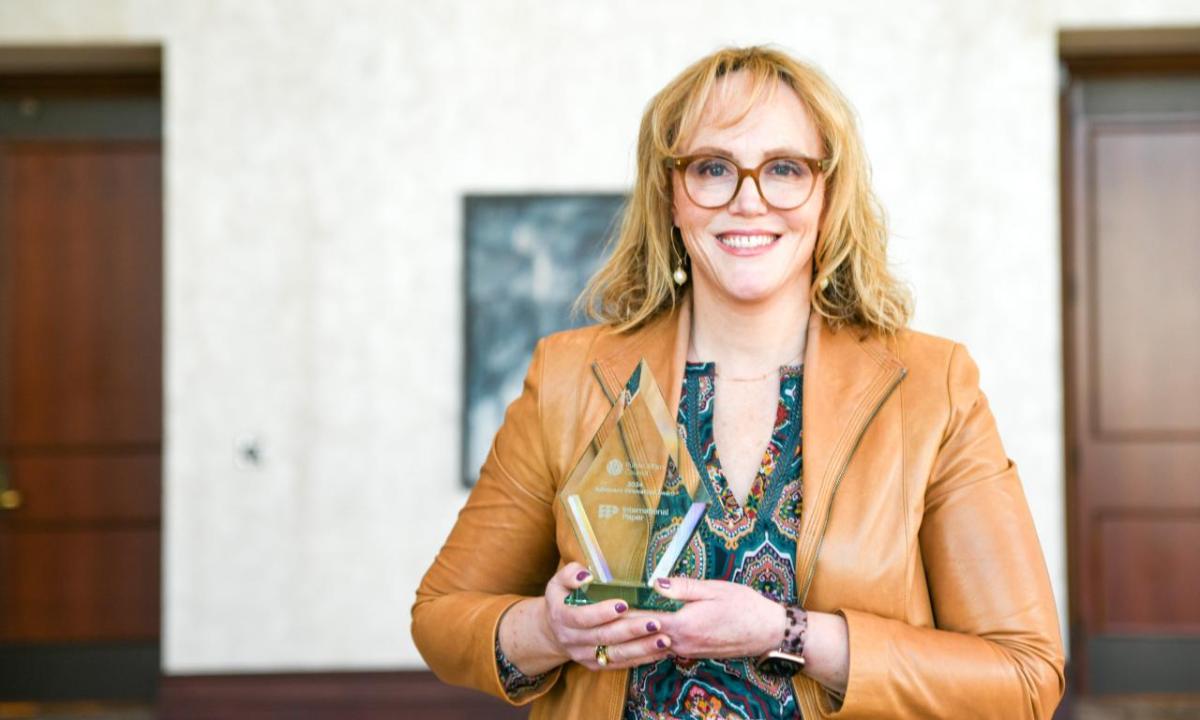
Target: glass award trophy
x=634 y=499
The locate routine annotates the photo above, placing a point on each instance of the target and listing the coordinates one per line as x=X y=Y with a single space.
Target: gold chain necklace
x=756 y=378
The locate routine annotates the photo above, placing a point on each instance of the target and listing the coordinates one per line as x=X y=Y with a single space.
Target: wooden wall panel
x=1148 y=580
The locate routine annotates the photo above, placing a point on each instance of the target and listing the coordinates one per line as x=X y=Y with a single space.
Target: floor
x=74 y=711
x=1161 y=707
x=1165 y=707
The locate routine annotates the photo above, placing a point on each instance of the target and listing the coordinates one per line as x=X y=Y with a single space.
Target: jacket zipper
x=812 y=566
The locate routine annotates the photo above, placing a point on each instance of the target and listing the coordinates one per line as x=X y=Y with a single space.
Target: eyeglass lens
x=785 y=182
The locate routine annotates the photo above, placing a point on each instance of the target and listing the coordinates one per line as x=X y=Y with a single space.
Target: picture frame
x=527 y=257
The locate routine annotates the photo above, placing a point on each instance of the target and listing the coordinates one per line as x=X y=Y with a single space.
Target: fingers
x=637 y=652
x=586 y=617
x=568 y=577
x=591 y=625
x=628 y=642
x=575 y=629
x=685 y=589
x=618 y=633
x=629 y=638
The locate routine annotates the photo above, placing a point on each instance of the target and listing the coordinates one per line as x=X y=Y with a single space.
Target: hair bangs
x=709 y=90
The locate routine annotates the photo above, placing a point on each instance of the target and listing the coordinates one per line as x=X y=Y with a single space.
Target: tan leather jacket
x=914 y=528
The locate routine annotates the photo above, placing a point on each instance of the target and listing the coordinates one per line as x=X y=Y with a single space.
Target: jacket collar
x=663 y=343
x=848 y=374
x=838 y=364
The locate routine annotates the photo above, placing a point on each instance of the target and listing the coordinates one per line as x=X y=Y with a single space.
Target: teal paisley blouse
x=752 y=544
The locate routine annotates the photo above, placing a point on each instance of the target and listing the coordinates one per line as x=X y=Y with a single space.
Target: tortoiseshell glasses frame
x=816 y=166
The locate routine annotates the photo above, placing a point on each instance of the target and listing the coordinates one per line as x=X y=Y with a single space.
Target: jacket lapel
x=663 y=343
x=847 y=377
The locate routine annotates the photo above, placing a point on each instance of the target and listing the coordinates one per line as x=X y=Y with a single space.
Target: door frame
x=100 y=73
x=1088 y=55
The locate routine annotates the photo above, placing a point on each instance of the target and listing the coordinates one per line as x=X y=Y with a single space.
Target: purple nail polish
x=662 y=644
x=652 y=627
x=583 y=575
x=664 y=583
x=622 y=607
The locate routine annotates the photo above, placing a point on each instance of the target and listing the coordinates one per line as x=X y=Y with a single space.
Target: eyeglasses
x=784 y=183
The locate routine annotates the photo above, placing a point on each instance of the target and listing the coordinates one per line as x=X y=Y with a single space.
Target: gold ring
x=602 y=655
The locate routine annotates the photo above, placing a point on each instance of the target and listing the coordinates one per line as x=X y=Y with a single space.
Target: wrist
x=776 y=628
x=545 y=631
x=524 y=639
x=787 y=656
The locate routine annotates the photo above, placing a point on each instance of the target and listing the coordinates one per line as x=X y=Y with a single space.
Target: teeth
x=746 y=241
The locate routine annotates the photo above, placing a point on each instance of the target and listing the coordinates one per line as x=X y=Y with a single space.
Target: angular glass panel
x=634 y=498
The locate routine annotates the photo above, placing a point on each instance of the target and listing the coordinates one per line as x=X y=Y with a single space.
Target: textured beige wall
x=316 y=155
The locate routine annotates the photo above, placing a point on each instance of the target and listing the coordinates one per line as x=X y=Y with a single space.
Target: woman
x=889 y=557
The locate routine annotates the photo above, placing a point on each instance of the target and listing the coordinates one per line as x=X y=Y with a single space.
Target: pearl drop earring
x=680 y=275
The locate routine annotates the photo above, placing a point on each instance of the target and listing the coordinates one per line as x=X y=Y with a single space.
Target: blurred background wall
x=316 y=156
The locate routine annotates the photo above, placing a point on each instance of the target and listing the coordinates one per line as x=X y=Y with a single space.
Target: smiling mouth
x=742 y=242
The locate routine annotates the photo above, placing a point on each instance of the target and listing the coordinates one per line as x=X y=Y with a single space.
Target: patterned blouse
x=752 y=544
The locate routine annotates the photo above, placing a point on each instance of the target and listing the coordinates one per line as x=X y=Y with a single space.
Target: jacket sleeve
x=501 y=550
x=996 y=651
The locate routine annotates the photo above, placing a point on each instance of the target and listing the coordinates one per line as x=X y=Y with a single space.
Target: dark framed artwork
x=527 y=259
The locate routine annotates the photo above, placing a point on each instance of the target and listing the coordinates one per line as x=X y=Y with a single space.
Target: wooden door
x=80 y=394
x=1132 y=284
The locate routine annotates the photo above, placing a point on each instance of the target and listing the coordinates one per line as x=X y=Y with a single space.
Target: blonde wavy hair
x=851 y=281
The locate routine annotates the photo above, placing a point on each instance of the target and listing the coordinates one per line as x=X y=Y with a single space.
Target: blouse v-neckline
x=705 y=372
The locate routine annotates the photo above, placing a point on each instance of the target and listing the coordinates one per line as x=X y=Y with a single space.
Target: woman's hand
x=719 y=619
x=539 y=634
x=631 y=637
